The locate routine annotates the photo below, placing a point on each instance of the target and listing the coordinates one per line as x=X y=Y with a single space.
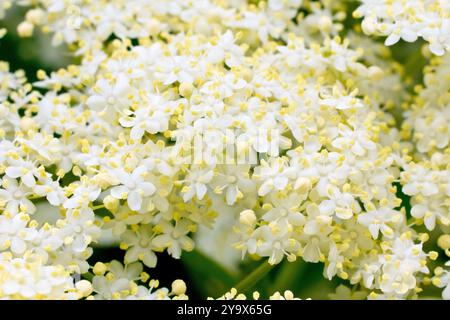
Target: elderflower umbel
x=262 y=116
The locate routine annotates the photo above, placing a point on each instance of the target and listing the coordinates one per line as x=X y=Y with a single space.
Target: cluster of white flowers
x=408 y=20
x=27 y=277
x=115 y=281
x=89 y=24
x=441 y=278
x=234 y=295
x=426 y=178
x=429 y=114
x=184 y=113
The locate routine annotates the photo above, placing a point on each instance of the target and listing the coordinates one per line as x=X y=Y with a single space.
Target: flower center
x=111 y=100
x=132 y=185
x=231 y=179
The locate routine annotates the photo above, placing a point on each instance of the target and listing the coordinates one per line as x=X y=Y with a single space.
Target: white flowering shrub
x=408 y=20
x=236 y=130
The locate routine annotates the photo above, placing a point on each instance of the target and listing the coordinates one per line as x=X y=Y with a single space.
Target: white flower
x=345 y=293
x=25 y=170
x=437 y=35
x=340 y=203
x=110 y=97
x=357 y=140
x=45 y=146
x=431 y=210
x=267 y=243
x=13 y=196
x=28 y=279
x=111 y=22
x=442 y=280
x=105 y=144
x=196 y=182
x=82 y=196
x=133 y=187
x=14 y=233
x=273 y=175
x=380 y=220
x=174 y=238
x=340 y=100
x=234 y=181
x=130 y=271
x=140 y=246
x=79 y=229
x=393 y=18
x=431 y=129
x=143 y=120
x=419 y=180
x=405 y=259
x=324 y=166
x=335 y=263
x=225 y=50
x=52 y=191
x=286 y=211
x=108 y=289
x=315 y=234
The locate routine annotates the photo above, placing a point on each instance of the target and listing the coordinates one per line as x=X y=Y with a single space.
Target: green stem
x=254 y=277
x=100 y=206
x=35 y=197
x=290 y=273
x=88 y=276
x=414 y=64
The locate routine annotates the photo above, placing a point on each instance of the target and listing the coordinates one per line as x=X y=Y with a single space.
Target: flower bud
x=35 y=16
x=178 y=287
x=25 y=29
x=247 y=217
x=85 y=287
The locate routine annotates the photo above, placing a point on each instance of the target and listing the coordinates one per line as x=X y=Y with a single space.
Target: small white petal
x=134 y=200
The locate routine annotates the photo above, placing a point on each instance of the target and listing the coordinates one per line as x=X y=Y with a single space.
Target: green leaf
x=207 y=276
x=290 y=276
x=253 y=278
